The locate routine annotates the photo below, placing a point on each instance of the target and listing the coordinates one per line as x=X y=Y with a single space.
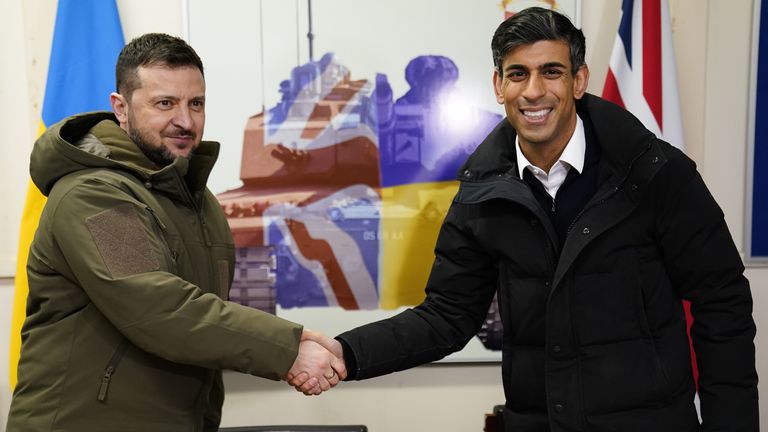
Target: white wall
x=712 y=41
x=14 y=94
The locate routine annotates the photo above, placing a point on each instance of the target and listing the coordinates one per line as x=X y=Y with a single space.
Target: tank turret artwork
x=344 y=187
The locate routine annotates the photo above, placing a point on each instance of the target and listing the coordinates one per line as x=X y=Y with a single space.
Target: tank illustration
x=305 y=220
x=344 y=187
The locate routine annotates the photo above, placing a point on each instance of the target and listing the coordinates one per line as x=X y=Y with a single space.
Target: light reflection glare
x=455 y=112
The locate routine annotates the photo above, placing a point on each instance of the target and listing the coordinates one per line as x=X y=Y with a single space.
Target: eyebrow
x=175 y=98
x=164 y=97
x=547 y=65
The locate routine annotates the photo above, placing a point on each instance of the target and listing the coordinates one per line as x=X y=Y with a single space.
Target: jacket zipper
x=174 y=254
x=156 y=218
x=206 y=237
x=110 y=369
x=198 y=211
x=203 y=228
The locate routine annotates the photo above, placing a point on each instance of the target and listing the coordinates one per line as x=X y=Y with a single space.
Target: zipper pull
x=157 y=219
x=105 y=383
x=206 y=236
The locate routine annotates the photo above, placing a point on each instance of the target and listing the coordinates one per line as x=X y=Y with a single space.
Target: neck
x=545 y=154
x=541 y=156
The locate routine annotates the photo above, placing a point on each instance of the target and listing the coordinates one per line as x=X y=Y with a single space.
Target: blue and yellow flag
x=87 y=39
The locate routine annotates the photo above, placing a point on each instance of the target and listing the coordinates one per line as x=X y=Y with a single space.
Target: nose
x=534 y=88
x=183 y=117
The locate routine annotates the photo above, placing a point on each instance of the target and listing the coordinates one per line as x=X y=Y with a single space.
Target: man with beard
x=127 y=324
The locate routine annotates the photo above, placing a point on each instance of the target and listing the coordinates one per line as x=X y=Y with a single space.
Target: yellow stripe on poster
x=410 y=222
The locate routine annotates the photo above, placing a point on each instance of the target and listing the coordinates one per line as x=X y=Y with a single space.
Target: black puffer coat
x=594 y=334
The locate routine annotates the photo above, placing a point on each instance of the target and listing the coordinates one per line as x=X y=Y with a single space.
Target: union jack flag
x=642 y=76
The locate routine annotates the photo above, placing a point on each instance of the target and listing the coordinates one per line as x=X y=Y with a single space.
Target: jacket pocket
x=110 y=369
x=620 y=365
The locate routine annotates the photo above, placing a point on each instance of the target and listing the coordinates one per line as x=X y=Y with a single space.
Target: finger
x=307 y=386
x=299 y=379
x=325 y=384
x=308 y=334
x=332 y=377
x=314 y=391
x=339 y=367
x=310 y=384
x=334 y=380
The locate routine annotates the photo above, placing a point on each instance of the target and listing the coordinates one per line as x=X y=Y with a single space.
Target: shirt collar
x=573 y=153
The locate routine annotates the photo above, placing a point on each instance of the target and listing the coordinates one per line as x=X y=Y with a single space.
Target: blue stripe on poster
x=760 y=168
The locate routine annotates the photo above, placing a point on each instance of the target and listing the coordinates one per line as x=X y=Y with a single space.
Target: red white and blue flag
x=642 y=76
x=643 y=79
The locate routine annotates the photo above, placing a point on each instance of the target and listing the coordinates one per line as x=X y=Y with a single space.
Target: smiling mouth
x=536 y=115
x=181 y=140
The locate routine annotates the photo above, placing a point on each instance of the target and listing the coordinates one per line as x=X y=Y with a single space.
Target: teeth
x=539 y=113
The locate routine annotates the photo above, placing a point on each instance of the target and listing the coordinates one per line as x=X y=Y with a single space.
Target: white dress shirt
x=572 y=157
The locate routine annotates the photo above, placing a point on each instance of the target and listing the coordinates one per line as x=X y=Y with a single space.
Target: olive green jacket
x=126 y=327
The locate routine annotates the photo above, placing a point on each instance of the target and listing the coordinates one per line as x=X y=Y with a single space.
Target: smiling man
x=128 y=327
x=539 y=88
x=160 y=106
x=591 y=231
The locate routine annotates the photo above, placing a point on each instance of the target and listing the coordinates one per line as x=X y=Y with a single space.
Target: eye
x=164 y=104
x=553 y=73
x=197 y=104
x=516 y=75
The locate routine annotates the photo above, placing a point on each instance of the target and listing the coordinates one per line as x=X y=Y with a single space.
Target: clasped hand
x=319 y=366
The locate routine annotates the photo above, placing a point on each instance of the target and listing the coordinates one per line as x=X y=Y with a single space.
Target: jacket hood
x=496 y=154
x=95 y=140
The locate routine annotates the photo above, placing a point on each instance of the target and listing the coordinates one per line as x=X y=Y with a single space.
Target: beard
x=157 y=152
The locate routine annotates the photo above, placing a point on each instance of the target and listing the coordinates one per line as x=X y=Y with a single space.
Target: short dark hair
x=152 y=49
x=535 y=24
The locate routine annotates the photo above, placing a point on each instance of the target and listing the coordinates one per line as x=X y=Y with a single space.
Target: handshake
x=319 y=366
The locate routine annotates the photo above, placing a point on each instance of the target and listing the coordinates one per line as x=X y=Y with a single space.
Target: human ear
x=497 y=86
x=119 y=107
x=580 y=81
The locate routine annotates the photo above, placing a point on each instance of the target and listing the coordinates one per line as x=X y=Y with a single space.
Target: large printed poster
x=343 y=125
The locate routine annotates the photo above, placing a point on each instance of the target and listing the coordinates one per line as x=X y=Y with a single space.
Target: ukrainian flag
x=87 y=39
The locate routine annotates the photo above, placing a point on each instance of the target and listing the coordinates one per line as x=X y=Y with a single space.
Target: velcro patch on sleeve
x=122 y=241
